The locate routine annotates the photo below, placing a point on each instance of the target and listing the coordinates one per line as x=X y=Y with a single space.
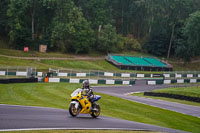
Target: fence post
x=27 y=72
x=89 y=74
x=98 y=74
x=70 y=73
x=7 y=72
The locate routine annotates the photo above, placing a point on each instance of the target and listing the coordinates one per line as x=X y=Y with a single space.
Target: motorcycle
x=81 y=104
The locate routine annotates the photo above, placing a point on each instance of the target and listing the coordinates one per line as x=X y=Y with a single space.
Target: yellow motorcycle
x=81 y=104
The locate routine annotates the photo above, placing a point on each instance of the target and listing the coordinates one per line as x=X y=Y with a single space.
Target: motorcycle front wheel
x=73 y=111
x=96 y=112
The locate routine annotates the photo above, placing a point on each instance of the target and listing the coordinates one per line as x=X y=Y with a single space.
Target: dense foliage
x=160 y=27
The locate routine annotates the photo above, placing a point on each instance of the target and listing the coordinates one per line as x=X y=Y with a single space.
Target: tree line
x=160 y=27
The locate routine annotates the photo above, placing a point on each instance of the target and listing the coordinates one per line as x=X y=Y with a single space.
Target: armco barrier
x=181 y=75
x=19 y=73
x=109 y=74
x=154 y=82
x=171 y=81
x=105 y=74
x=93 y=81
x=175 y=96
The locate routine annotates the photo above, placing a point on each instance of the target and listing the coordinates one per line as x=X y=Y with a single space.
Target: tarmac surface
x=37 y=118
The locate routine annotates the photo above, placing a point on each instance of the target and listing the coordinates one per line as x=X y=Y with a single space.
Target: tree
x=157 y=43
x=3 y=17
x=131 y=44
x=78 y=25
x=97 y=12
x=192 y=32
x=26 y=21
x=70 y=30
x=182 y=49
x=179 y=10
x=187 y=42
x=19 y=33
x=107 y=39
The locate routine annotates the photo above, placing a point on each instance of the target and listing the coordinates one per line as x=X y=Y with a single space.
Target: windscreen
x=75 y=93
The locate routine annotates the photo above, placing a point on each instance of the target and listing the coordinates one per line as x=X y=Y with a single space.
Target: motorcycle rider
x=87 y=90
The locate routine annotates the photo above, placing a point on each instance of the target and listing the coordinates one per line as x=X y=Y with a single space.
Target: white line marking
x=27 y=129
x=130 y=93
x=30 y=106
x=110 y=86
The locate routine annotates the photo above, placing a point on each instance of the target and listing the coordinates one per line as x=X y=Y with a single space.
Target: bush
x=132 y=44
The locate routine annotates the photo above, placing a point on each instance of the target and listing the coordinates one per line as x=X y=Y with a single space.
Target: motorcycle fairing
x=96 y=98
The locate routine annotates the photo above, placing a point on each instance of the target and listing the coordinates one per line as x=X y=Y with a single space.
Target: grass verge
x=167 y=99
x=185 y=67
x=86 y=64
x=57 y=96
x=193 y=91
x=21 y=53
x=101 y=65
x=4 y=62
x=186 y=91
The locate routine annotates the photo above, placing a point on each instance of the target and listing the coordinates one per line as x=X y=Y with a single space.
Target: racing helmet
x=86 y=84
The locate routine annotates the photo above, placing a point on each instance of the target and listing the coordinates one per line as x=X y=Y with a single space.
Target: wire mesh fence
x=18 y=72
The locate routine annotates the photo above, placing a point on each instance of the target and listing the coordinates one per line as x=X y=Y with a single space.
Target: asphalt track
x=33 y=118
x=140 y=86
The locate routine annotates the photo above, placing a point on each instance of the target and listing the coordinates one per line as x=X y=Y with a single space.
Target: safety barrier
x=89 y=73
x=19 y=73
x=174 y=96
x=107 y=74
x=92 y=81
x=171 y=81
x=99 y=77
x=18 y=80
x=181 y=75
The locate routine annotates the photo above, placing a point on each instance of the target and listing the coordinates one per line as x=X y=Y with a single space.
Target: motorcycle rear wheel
x=96 y=113
x=73 y=111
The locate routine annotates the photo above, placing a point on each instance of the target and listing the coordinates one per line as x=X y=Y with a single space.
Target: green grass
x=186 y=91
x=78 y=64
x=57 y=96
x=4 y=62
x=101 y=65
x=168 y=99
x=81 y=64
x=187 y=67
x=21 y=53
x=78 y=131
